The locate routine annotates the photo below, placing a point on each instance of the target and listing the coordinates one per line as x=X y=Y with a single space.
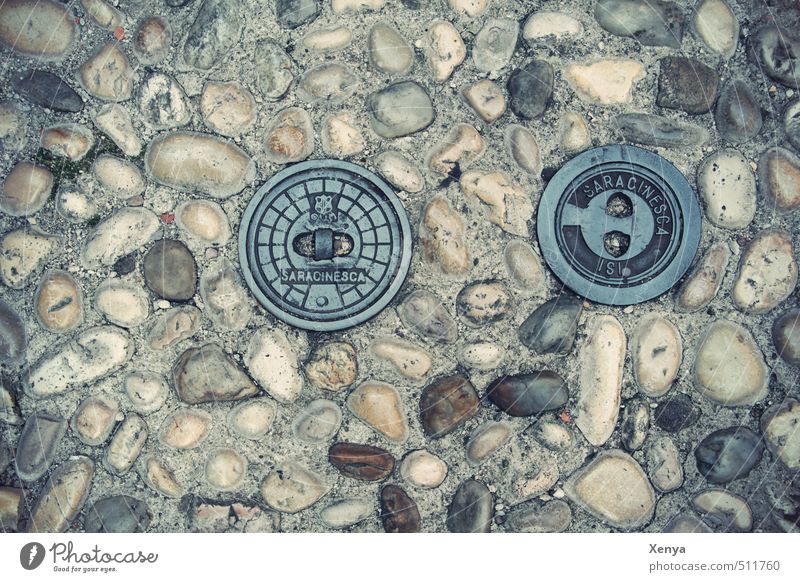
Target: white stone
x=727 y=186
x=122 y=303
x=656 y=350
x=547 y=24
x=272 y=362
x=409 y=360
x=400 y=171
x=125 y=231
x=724 y=508
x=115 y=121
x=444 y=49
x=22 y=253
x=423 y=469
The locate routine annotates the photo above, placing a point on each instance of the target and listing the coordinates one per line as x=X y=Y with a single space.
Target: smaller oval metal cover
x=325 y=245
x=619 y=225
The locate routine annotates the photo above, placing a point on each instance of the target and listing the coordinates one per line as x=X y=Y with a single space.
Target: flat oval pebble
x=272 y=362
x=25 y=189
x=400 y=109
x=486 y=440
x=481 y=355
x=528 y=394
x=347 y=6
x=289 y=136
x=38 y=444
x=58 y=301
x=68 y=140
x=552 y=327
x=724 y=509
x=13 y=127
x=216 y=29
x=446 y=404
x=117 y=176
x=738 y=114
x=657 y=351
x=107 y=74
x=115 y=121
x=146 y=391
x=555 y=436
x=329 y=83
x=94 y=419
x=228 y=108
x=253 y=418
x=494 y=44
x=471 y=508
x=225 y=300
x=650 y=22
x=124 y=231
x=63 y=496
x=530 y=89
x=423 y=469
x=779 y=176
x=47 y=90
x=170 y=270
x=160 y=478
x=551 y=517
x=318 y=422
x=22 y=253
x=290 y=487
x=347 y=512
x=728 y=454
x=13 y=339
x=126 y=445
x=545 y=25
x=635 y=424
x=400 y=171
x=727 y=186
x=408 y=360
x=441 y=235
x=364 y=462
x=659 y=131
x=717 y=26
x=388 y=51
x=103 y=14
x=779 y=427
x=196 y=161
x=574 y=134
x=121 y=303
x=443 y=48
x=605 y=81
x=791 y=123
x=118 y=514
x=786 y=336
x=487 y=99
x=205 y=220
x=38 y=28
x=399 y=512
x=273 y=69
x=484 y=302
x=704 y=281
x=379 y=405
x=767 y=272
x=225 y=469
x=523 y=149
x=173 y=326
x=423 y=312
x=185 y=428
x=524 y=267
x=686 y=523
x=330 y=39
x=664 y=465
x=208 y=374
x=613 y=488
x=152 y=39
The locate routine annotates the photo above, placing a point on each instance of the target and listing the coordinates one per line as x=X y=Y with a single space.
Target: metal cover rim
x=635 y=159
x=401 y=250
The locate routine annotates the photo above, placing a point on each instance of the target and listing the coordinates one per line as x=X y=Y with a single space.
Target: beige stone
x=121 y=303
x=289 y=136
x=400 y=171
x=344 y=6
x=379 y=406
x=471 y=8
x=43 y=29
x=160 y=478
x=486 y=440
x=549 y=25
x=204 y=220
x=656 y=350
x=146 y=391
x=388 y=51
x=504 y=203
x=441 y=234
x=523 y=149
x=107 y=74
x=94 y=419
x=481 y=355
x=253 y=418
x=332 y=366
x=228 y=108
x=115 y=121
x=69 y=140
x=767 y=272
x=22 y=253
x=186 y=428
x=63 y=496
x=25 y=189
x=58 y=302
x=573 y=133
x=460 y=147
x=125 y=231
x=443 y=48
x=407 y=359
x=341 y=137
x=290 y=487
x=724 y=508
x=272 y=362
x=705 y=280
x=126 y=445
x=423 y=469
x=780 y=425
x=717 y=26
x=330 y=39
x=524 y=267
x=103 y=14
x=487 y=99
x=225 y=469
x=606 y=81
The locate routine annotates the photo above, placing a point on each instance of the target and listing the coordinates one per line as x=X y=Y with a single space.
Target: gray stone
x=13 y=339
x=47 y=90
x=738 y=113
x=273 y=69
x=126 y=445
x=786 y=336
x=118 y=514
x=38 y=443
x=400 y=109
x=530 y=89
x=728 y=454
x=551 y=328
x=423 y=312
x=686 y=84
x=215 y=30
x=551 y=517
x=791 y=123
x=294 y=13
x=659 y=131
x=163 y=102
x=170 y=270
x=650 y=22
x=528 y=394
x=776 y=51
x=494 y=44
x=676 y=413
x=471 y=509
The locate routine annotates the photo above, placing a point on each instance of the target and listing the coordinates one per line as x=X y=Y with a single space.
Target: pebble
x=399 y=512
x=89 y=356
x=9 y=413
x=318 y=422
x=717 y=26
x=160 y=478
x=214 y=32
x=289 y=136
x=290 y=487
x=332 y=366
x=295 y=13
x=73 y=204
x=380 y=407
x=273 y=69
x=115 y=121
x=13 y=340
x=163 y=102
x=199 y=162
x=729 y=368
x=25 y=189
x=121 y=303
x=791 y=124
x=273 y=364
x=659 y=131
x=551 y=517
x=767 y=272
x=226 y=303
x=613 y=488
x=330 y=39
x=126 y=445
x=124 y=231
x=687 y=84
x=94 y=419
x=346 y=6
x=443 y=48
x=236 y=517
x=479 y=355
x=486 y=440
x=554 y=436
x=471 y=8
x=574 y=135
x=253 y=418
x=552 y=327
x=728 y=454
x=727 y=186
x=522 y=147
x=407 y=359
x=602 y=357
x=649 y=22
x=738 y=114
x=400 y=171
x=227 y=108
x=388 y=51
x=524 y=267
x=225 y=469
x=347 y=512
x=11 y=500
x=13 y=127
x=441 y=234
x=43 y=29
x=785 y=504
x=705 y=280
x=530 y=89
x=471 y=509
x=779 y=427
x=495 y=44
x=47 y=90
x=483 y=302
x=118 y=514
x=208 y=374
x=779 y=178
x=119 y=177
x=400 y=109
x=664 y=465
x=173 y=326
x=686 y=523
x=676 y=413
x=103 y=14
x=63 y=496
x=724 y=509
x=38 y=444
x=152 y=40
x=446 y=404
x=22 y=253
x=424 y=313
x=504 y=202
x=635 y=424
x=58 y=302
x=605 y=81
x=546 y=25
x=185 y=428
x=486 y=99
x=461 y=146
x=786 y=336
x=528 y=394
x=775 y=50
x=170 y=270
x=657 y=351
x=146 y=391
x=204 y=220
x=340 y=135
x=68 y=140
x=363 y=462
x=107 y=74
x=423 y=469
x=331 y=83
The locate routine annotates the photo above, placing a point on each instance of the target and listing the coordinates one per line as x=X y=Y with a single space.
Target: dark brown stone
x=170 y=270
x=446 y=404
x=687 y=84
x=398 y=511
x=207 y=374
x=363 y=462
x=528 y=394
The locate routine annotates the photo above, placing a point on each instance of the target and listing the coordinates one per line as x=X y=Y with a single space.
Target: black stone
x=528 y=394
x=294 y=13
x=551 y=328
x=738 y=115
x=125 y=265
x=399 y=513
x=530 y=89
x=412 y=4
x=47 y=90
x=676 y=414
x=471 y=509
x=686 y=84
x=728 y=454
x=118 y=514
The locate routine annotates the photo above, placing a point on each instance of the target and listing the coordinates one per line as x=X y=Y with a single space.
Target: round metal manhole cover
x=325 y=245
x=618 y=225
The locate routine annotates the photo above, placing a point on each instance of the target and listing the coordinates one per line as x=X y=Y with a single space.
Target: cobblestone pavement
x=145 y=389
